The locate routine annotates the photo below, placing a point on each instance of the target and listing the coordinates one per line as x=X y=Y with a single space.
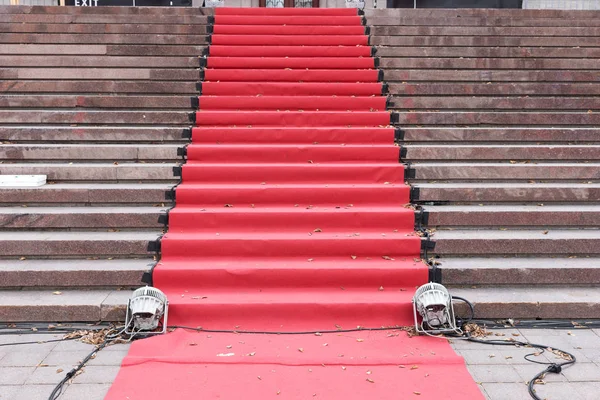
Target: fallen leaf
x=417 y=393
x=228 y=205
x=414 y=367
x=360 y=340
x=301 y=350
x=58 y=371
x=57 y=293
x=370 y=380
x=380 y=288
x=353 y=257
x=196 y=344
x=318 y=230
x=387 y=258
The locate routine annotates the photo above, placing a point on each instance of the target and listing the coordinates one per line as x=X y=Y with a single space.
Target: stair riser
x=572 y=172
x=90 y=172
x=87 y=28
x=489 y=63
x=104 y=19
x=57 y=248
x=401 y=20
x=79 y=221
x=530 y=310
x=483 y=41
x=66 y=313
x=67 y=38
x=484 y=75
x=90 y=86
x=55 y=134
x=523 y=219
x=501 y=134
x=91 y=61
x=70 y=153
x=84 y=196
x=474 y=31
x=485 y=52
x=514 y=276
x=494 y=103
x=102 y=49
x=493 y=247
x=517 y=194
x=91 y=73
x=432 y=153
x=498 y=89
x=71 y=279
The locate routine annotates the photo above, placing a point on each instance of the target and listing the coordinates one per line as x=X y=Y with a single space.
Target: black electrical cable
x=471 y=308
x=552 y=367
x=59 y=387
x=36 y=342
x=358 y=329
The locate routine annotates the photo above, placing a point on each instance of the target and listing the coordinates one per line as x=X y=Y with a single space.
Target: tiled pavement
x=30 y=372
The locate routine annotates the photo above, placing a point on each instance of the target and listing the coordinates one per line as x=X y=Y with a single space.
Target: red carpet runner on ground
x=290 y=217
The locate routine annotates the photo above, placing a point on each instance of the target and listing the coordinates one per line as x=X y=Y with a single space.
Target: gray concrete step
x=412 y=102
x=90 y=27
x=540 y=242
x=82 y=273
x=494 y=89
x=107 y=18
x=481 y=271
x=15 y=245
x=514 y=215
x=45 y=101
x=498 y=192
x=88 y=117
x=489 y=75
x=490 y=52
x=92 y=134
x=15 y=86
x=86 y=172
x=490 y=63
x=152 y=194
x=566 y=135
x=98 y=61
x=521 y=152
x=388 y=39
x=507 y=171
x=153 y=153
x=65 y=305
x=574 y=302
x=147 y=74
x=98 y=38
x=76 y=218
x=102 y=49
x=53 y=10
x=490 y=31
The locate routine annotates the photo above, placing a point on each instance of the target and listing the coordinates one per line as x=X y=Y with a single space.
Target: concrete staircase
x=500 y=117
x=500 y=114
x=98 y=99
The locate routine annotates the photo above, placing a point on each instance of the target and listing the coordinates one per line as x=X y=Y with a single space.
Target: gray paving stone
x=587 y=390
x=98 y=374
x=65 y=357
x=109 y=358
x=23 y=359
x=504 y=391
x=15 y=375
x=583 y=372
x=49 y=375
x=494 y=373
x=528 y=371
x=117 y=347
x=73 y=345
x=90 y=391
x=507 y=356
x=558 y=390
x=33 y=392
x=8 y=392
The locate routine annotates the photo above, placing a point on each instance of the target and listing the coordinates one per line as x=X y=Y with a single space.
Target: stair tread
x=73 y=265
x=484 y=263
x=517 y=234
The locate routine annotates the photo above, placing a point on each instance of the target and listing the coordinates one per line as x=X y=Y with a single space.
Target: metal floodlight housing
x=145 y=308
x=434 y=304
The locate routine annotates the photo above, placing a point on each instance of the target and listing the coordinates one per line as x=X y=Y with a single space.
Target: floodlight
x=145 y=308
x=434 y=304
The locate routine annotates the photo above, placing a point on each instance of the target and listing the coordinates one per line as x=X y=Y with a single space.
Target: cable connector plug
x=554 y=368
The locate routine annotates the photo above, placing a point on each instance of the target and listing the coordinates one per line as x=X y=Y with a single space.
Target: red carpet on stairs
x=291 y=217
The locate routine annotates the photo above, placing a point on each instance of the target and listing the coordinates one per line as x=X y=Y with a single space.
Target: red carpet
x=291 y=217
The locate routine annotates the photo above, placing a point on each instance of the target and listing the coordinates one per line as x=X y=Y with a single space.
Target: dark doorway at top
x=455 y=3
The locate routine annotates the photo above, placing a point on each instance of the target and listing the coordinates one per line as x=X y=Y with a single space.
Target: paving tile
x=7 y=392
x=65 y=357
x=33 y=392
x=507 y=356
x=528 y=371
x=73 y=345
x=504 y=391
x=90 y=391
x=48 y=375
x=558 y=390
x=117 y=347
x=587 y=390
x=109 y=357
x=23 y=359
x=494 y=373
x=97 y=374
x=15 y=375
x=583 y=372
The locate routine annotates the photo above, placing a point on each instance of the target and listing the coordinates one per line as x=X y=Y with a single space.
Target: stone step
x=89 y=117
x=485 y=75
x=69 y=305
x=98 y=61
x=519 y=271
x=81 y=273
x=507 y=171
x=482 y=242
x=480 y=20
x=567 y=135
x=497 y=88
x=490 y=31
x=95 y=134
x=128 y=152
x=93 y=38
x=36 y=101
x=508 y=118
x=490 y=52
x=75 y=218
x=192 y=28
x=566 y=15
x=490 y=63
x=521 y=152
x=98 y=194
x=496 y=192
x=156 y=11
x=470 y=102
x=151 y=74
x=97 y=86
x=85 y=172
x=104 y=19
x=477 y=41
x=529 y=302
x=102 y=49
x=512 y=215
x=48 y=244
